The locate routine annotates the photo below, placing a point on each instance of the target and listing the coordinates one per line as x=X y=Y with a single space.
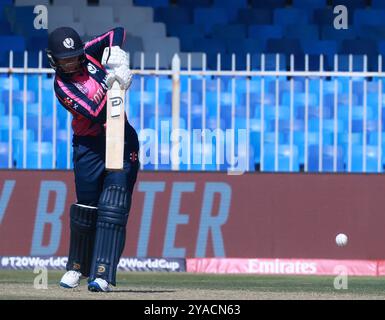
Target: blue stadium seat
x=285 y=86
x=135 y=123
x=327 y=158
x=313 y=112
x=264 y=32
x=36 y=43
x=45 y=150
x=307 y=32
x=350 y=4
x=12 y=42
x=369 y=17
x=17 y=145
x=242 y=47
x=371 y=159
x=358 y=126
x=210 y=46
x=327 y=125
x=4 y=155
x=136 y=96
x=370 y=32
x=374 y=138
x=325 y=47
x=230 y=3
x=284 y=155
x=227 y=62
x=210 y=16
x=284 y=46
x=210 y=26
x=132 y=45
x=328 y=32
x=357 y=113
x=17 y=45
x=234 y=31
x=2 y=109
x=285 y=16
x=166 y=121
x=4 y=123
x=183 y=31
x=206 y=154
x=283 y=112
x=299 y=99
x=313 y=138
x=152 y=3
x=343 y=62
x=195 y=3
x=362 y=46
x=378 y=4
x=255 y=142
x=225 y=99
x=267 y=3
x=22 y=21
x=314 y=62
x=173 y=15
x=309 y=4
x=323 y=16
x=164 y=85
x=356 y=139
x=212 y=123
x=5 y=82
x=231 y=7
x=61 y=155
x=5 y=27
x=285 y=126
x=255 y=16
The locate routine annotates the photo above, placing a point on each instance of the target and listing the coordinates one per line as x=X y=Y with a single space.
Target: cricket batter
x=98 y=219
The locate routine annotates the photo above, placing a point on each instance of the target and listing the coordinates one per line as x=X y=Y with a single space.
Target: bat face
x=115 y=127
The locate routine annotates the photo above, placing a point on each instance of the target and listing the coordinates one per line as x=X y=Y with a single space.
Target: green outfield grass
x=150 y=285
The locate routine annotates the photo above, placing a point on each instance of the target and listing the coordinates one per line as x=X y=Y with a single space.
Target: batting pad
x=83 y=226
x=110 y=233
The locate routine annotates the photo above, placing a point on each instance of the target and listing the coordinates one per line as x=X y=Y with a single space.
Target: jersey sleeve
x=78 y=103
x=96 y=46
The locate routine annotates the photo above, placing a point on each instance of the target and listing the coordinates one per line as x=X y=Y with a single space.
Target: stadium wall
x=202 y=215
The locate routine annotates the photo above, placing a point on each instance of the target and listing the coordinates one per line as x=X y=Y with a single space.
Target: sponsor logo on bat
x=116 y=101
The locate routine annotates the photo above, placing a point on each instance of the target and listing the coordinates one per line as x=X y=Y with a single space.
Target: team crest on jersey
x=68 y=102
x=91 y=68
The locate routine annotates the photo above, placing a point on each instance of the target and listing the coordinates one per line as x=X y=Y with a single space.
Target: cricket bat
x=115 y=127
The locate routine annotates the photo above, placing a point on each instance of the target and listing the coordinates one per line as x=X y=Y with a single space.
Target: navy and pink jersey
x=84 y=95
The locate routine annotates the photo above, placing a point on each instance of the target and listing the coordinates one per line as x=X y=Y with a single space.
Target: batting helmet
x=64 y=42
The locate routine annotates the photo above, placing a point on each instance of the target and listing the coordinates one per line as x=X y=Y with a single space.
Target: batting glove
x=110 y=79
x=114 y=57
x=124 y=76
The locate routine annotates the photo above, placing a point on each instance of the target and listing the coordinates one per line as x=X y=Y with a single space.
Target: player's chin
x=70 y=71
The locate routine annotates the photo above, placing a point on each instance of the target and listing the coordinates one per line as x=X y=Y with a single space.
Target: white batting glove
x=110 y=79
x=124 y=76
x=114 y=57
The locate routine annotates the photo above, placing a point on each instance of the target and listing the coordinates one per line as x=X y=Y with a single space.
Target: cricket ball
x=341 y=239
